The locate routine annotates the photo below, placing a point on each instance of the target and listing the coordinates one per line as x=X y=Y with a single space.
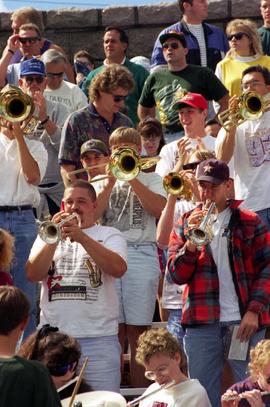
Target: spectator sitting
x=212 y=127
x=94 y=153
x=159 y=352
x=250 y=389
x=22 y=382
x=150 y=130
x=83 y=65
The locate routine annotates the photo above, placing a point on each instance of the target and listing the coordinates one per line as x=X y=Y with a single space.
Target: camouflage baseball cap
x=95 y=145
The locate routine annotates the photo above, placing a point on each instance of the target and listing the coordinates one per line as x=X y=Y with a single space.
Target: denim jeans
x=204 y=347
x=265 y=215
x=174 y=324
x=22 y=225
x=103 y=369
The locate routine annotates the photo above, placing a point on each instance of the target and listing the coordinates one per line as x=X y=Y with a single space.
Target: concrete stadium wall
x=75 y=28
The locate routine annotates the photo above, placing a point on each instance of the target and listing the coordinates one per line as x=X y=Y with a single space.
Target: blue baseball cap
x=32 y=66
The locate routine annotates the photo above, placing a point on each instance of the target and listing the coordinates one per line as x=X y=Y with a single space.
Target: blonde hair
x=259 y=358
x=200 y=155
x=112 y=77
x=153 y=341
x=28 y=15
x=125 y=135
x=6 y=250
x=250 y=29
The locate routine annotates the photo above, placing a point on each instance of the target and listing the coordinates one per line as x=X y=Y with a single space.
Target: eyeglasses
x=191 y=166
x=251 y=84
x=31 y=40
x=237 y=36
x=119 y=98
x=54 y=75
x=62 y=370
x=30 y=79
x=161 y=371
x=173 y=45
x=150 y=137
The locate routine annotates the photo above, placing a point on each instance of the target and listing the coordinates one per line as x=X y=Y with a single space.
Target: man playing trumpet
x=227 y=281
x=249 y=146
x=78 y=293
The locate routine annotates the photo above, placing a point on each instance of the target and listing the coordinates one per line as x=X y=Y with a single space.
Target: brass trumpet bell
x=203 y=234
x=175 y=184
x=125 y=164
x=15 y=105
x=251 y=106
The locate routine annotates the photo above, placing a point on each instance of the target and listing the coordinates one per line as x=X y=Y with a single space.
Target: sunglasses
x=173 y=45
x=54 y=75
x=191 y=166
x=31 y=40
x=62 y=370
x=31 y=79
x=237 y=36
x=119 y=98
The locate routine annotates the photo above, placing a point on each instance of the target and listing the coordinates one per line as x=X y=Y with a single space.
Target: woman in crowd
x=251 y=389
x=245 y=50
x=152 y=138
x=56 y=350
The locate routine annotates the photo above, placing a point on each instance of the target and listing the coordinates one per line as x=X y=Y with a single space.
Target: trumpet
x=16 y=106
x=178 y=185
x=50 y=232
x=124 y=164
x=203 y=234
x=251 y=106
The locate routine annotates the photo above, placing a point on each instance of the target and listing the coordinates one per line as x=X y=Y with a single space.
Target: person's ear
x=24 y=324
x=177 y=357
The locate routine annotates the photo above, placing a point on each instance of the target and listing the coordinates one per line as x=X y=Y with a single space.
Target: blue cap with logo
x=32 y=66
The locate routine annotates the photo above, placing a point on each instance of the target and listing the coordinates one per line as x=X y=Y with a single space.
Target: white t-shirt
x=79 y=300
x=228 y=300
x=125 y=211
x=189 y=393
x=172 y=293
x=169 y=154
x=15 y=190
x=252 y=163
x=69 y=95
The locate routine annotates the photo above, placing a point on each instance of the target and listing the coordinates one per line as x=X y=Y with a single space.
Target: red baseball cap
x=195 y=100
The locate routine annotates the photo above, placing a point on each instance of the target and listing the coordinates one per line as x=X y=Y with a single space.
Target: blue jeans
x=174 y=324
x=265 y=215
x=22 y=225
x=103 y=369
x=204 y=347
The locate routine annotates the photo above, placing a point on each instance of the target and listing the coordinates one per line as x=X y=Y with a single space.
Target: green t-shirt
x=265 y=39
x=160 y=89
x=139 y=74
x=26 y=383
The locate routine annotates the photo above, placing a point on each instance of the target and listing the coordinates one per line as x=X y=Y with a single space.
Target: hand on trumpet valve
x=70 y=229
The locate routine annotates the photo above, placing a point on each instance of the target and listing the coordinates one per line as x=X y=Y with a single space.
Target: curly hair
x=153 y=341
x=6 y=249
x=51 y=347
x=250 y=29
x=112 y=77
x=259 y=358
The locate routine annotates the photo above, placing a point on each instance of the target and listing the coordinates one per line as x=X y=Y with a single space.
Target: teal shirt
x=139 y=74
x=265 y=39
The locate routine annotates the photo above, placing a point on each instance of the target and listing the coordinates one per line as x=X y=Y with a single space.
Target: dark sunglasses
x=54 y=75
x=62 y=370
x=119 y=98
x=31 y=79
x=173 y=45
x=31 y=40
x=191 y=166
x=237 y=36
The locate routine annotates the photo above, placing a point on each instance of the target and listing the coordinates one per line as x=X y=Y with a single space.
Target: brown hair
x=32 y=27
x=80 y=183
x=112 y=77
x=28 y=15
x=250 y=29
x=51 y=347
x=14 y=308
x=149 y=126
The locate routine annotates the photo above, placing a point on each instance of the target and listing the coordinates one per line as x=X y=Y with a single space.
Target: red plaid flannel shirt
x=249 y=255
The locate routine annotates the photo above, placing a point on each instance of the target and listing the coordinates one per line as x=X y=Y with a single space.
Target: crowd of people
x=139 y=191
